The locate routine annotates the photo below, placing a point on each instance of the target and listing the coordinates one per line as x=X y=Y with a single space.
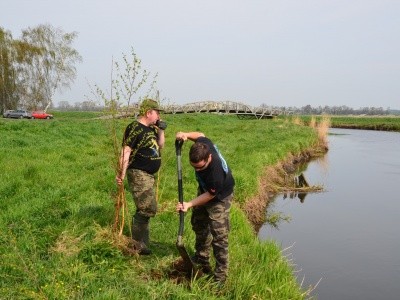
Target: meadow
x=383 y=123
x=57 y=193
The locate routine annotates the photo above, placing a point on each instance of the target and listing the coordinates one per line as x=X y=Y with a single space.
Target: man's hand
x=181 y=136
x=119 y=180
x=183 y=206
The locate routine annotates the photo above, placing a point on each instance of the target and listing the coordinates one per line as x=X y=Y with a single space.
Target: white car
x=17 y=114
x=6 y=113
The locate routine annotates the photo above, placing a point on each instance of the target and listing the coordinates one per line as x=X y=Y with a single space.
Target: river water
x=347 y=238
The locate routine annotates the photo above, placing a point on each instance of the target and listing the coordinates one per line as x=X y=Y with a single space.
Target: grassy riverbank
x=384 y=123
x=56 y=211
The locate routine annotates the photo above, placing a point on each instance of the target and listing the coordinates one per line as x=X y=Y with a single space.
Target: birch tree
x=52 y=68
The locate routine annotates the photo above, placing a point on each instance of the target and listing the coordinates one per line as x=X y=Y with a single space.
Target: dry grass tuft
x=313 y=122
x=67 y=245
x=127 y=245
x=322 y=129
x=297 y=121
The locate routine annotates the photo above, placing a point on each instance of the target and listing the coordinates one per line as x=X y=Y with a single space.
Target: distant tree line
x=338 y=110
x=79 y=106
x=34 y=66
x=305 y=110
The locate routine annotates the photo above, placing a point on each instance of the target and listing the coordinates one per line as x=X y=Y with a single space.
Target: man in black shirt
x=210 y=216
x=141 y=159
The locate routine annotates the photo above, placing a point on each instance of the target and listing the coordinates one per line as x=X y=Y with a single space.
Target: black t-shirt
x=145 y=153
x=217 y=178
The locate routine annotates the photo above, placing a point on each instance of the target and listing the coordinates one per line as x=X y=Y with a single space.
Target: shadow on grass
x=97 y=213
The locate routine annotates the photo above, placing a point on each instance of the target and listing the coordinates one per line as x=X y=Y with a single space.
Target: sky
x=279 y=52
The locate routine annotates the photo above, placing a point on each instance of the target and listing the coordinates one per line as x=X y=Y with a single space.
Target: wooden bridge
x=225 y=107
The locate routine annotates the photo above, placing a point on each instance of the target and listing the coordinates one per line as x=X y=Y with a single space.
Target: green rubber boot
x=140 y=233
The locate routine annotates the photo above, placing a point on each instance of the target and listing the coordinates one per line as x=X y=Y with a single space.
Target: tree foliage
x=127 y=78
x=8 y=76
x=35 y=66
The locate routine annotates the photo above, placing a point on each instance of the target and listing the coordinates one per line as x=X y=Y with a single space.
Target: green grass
x=384 y=123
x=369 y=123
x=56 y=211
x=76 y=114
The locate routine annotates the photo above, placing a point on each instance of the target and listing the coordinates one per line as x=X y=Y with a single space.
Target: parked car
x=17 y=114
x=6 y=113
x=41 y=115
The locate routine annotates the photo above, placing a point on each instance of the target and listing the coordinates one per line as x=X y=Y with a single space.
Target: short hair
x=198 y=152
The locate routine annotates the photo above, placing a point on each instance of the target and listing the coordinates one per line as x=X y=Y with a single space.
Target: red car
x=41 y=115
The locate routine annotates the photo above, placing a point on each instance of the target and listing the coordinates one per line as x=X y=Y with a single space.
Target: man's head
x=200 y=156
x=148 y=105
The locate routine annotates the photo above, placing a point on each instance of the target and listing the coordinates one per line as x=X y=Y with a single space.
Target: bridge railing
x=228 y=107
x=225 y=107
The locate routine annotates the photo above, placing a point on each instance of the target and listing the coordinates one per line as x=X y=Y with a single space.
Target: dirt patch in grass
x=179 y=273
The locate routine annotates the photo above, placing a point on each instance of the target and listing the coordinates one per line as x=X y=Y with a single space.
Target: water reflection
x=297 y=187
x=300 y=183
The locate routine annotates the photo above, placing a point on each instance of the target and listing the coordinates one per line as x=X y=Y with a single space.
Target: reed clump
x=323 y=129
x=297 y=121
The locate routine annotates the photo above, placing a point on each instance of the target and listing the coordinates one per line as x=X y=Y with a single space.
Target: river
x=346 y=238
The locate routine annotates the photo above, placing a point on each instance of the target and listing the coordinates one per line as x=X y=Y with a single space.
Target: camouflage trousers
x=141 y=185
x=211 y=224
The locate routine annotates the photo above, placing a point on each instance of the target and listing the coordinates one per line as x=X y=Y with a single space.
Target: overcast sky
x=278 y=52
